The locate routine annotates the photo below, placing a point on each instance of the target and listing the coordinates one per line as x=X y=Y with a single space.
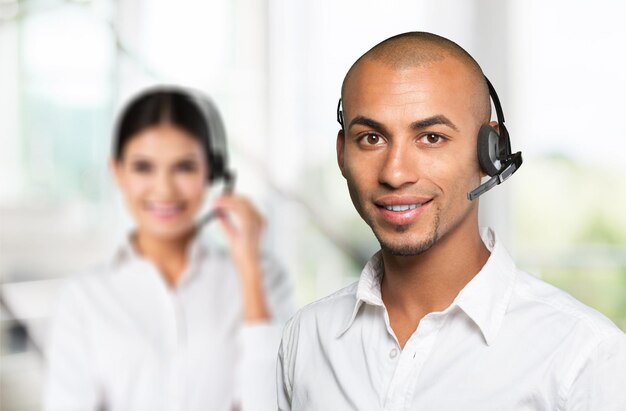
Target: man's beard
x=407 y=249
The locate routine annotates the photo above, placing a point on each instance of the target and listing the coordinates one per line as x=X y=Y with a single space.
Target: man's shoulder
x=334 y=305
x=326 y=315
x=551 y=304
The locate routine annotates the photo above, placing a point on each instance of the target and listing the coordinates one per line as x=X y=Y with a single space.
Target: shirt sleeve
x=279 y=288
x=282 y=382
x=599 y=384
x=285 y=367
x=70 y=383
x=260 y=341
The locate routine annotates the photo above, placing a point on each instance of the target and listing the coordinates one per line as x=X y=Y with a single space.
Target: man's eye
x=371 y=139
x=431 y=138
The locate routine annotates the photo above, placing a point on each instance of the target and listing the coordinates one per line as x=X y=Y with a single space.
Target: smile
x=165 y=210
x=401 y=207
x=402 y=210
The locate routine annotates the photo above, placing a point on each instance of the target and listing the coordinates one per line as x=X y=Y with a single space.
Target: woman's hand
x=244 y=225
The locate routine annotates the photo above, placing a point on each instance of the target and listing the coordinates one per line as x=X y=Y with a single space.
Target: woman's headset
x=494 y=150
x=217 y=149
x=216 y=140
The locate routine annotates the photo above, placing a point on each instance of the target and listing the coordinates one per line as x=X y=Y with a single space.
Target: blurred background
x=275 y=67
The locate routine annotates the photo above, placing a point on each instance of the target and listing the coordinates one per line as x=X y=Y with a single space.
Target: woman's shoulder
x=80 y=282
x=96 y=276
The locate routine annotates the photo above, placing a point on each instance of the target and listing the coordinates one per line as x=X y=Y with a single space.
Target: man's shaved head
x=417 y=49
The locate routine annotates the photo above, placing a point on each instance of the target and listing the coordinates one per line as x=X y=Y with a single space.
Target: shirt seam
x=346 y=291
x=568 y=310
x=577 y=366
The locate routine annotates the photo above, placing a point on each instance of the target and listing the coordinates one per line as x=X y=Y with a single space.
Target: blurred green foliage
x=570 y=229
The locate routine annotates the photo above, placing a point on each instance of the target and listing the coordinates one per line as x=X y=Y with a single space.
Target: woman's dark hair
x=177 y=107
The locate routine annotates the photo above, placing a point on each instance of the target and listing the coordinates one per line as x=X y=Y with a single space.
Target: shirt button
x=393 y=353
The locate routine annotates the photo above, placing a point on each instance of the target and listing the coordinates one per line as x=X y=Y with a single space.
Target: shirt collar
x=368 y=289
x=484 y=299
x=126 y=253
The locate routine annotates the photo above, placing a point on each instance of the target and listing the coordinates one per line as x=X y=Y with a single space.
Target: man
x=440 y=319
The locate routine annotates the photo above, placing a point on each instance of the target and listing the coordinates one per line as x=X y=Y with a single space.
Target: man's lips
x=400 y=210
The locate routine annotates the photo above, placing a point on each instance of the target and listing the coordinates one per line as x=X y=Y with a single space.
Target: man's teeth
x=401 y=207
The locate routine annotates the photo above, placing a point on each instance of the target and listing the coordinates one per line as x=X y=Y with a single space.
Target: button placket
x=411 y=360
x=422 y=347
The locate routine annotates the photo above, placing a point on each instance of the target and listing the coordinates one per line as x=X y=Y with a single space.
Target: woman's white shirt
x=124 y=340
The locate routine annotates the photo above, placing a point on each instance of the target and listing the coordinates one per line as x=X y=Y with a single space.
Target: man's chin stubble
x=407 y=250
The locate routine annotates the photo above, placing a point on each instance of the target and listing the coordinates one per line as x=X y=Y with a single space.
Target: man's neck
x=414 y=286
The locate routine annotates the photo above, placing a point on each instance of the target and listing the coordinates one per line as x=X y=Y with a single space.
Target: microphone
x=229 y=185
x=510 y=166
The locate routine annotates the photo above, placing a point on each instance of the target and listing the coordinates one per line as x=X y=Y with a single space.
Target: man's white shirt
x=507 y=342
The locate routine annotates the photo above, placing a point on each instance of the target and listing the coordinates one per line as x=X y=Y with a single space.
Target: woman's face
x=162 y=175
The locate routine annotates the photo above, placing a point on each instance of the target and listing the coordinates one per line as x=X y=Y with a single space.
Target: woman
x=172 y=322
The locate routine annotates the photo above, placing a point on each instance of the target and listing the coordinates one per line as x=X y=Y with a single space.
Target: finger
x=227 y=225
x=242 y=209
x=236 y=220
x=233 y=202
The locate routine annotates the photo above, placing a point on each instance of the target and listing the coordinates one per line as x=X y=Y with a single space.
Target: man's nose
x=400 y=165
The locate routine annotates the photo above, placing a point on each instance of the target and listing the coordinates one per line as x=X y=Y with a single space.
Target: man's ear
x=341 y=141
x=495 y=125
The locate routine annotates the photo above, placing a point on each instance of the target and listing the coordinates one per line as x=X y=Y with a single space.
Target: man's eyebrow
x=368 y=122
x=434 y=120
x=420 y=124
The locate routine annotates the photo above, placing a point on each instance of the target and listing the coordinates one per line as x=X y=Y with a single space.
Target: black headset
x=217 y=149
x=216 y=134
x=494 y=150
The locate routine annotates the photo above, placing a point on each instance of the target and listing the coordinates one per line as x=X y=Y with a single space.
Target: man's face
x=409 y=152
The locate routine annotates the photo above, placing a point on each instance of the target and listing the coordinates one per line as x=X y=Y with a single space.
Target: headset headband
x=492 y=94
x=503 y=132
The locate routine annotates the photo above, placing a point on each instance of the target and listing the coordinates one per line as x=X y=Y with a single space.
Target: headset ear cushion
x=488 y=149
x=217 y=169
